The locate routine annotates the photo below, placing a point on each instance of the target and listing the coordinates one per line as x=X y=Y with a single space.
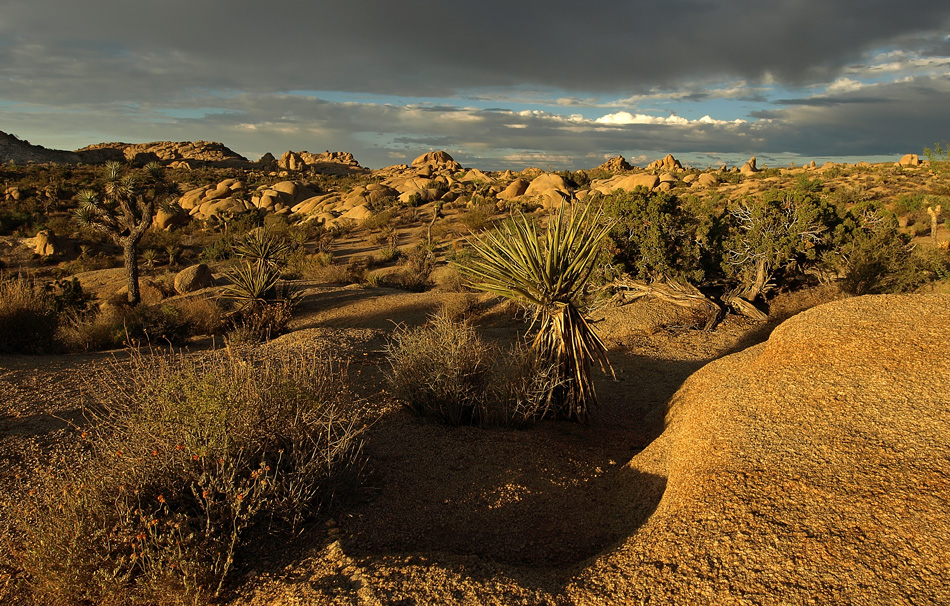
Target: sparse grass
x=186 y=463
x=28 y=318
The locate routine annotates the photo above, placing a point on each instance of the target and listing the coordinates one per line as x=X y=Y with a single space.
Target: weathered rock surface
x=909 y=160
x=668 y=162
x=45 y=243
x=625 y=182
x=193 y=278
x=811 y=468
x=749 y=167
x=615 y=165
x=437 y=160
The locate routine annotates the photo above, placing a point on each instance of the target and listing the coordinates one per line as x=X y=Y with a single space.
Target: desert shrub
x=389 y=253
x=186 y=464
x=478 y=216
x=378 y=220
x=28 y=317
x=873 y=255
x=90 y=262
x=118 y=325
x=908 y=203
x=770 y=235
x=417 y=267
x=444 y=371
x=805 y=184
x=265 y=304
x=219 y=250
x=654 y=236
x=833 y=172
x=938 y=157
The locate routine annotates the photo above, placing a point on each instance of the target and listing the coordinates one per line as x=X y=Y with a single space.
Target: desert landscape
x=296 y=380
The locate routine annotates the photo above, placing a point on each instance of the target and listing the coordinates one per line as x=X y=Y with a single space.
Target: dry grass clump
x=187 y=462
x=445 y=371
x=116 y=325
x=28 y=318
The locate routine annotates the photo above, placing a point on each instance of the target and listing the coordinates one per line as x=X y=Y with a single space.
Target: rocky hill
x=168 y=152
x=20 y=151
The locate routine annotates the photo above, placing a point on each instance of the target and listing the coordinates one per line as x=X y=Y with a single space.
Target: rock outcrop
x=625 y=182
x=810 y=468
x=329 y=163
x=749 y=167
x=166 y=152
x=666 y=163
x=909 y=160
x=436 y=161
x=615 y=165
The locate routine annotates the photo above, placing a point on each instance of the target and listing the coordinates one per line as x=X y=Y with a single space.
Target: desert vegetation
x=272 y=329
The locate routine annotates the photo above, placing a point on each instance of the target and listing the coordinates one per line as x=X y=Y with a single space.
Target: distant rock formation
x=615 y=165
x=330 y=163
x=749 y=167
x=437 y=160
x=166 y=152
x=20 y=151
x=666 y=163
x=909 y=160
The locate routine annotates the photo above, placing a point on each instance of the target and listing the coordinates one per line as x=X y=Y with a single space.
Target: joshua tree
x=125 y=212
x=546 y=272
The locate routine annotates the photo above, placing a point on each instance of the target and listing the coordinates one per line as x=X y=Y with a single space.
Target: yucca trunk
x=567 y=341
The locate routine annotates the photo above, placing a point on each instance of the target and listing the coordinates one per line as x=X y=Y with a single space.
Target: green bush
x=654 y=236
x=874 y=256
x=187 y=463
x=28 y=318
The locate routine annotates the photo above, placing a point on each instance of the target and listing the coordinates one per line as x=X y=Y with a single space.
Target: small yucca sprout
x=546 y=272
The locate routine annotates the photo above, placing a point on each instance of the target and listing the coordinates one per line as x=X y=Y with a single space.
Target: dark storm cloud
x=105 y=49
x=829 y=101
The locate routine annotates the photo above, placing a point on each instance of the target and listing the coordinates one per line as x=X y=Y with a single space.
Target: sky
x=497 y=84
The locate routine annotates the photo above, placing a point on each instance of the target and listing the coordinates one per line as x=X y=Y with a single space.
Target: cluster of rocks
x=334 y=163
x=667 y=163
x=12 y=194
x=615 y=165
x=231 y=196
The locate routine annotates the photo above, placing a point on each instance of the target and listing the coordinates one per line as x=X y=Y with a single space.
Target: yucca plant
x=546 y=272
x=265 y=304
x=262 y=246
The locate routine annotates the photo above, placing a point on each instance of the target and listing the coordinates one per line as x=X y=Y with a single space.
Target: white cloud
x=625 y=118
x=844 y=85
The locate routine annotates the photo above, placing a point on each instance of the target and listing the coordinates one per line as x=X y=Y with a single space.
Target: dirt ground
x=452 y=514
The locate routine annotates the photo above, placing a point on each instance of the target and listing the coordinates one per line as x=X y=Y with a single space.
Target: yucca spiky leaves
x=546 y=271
